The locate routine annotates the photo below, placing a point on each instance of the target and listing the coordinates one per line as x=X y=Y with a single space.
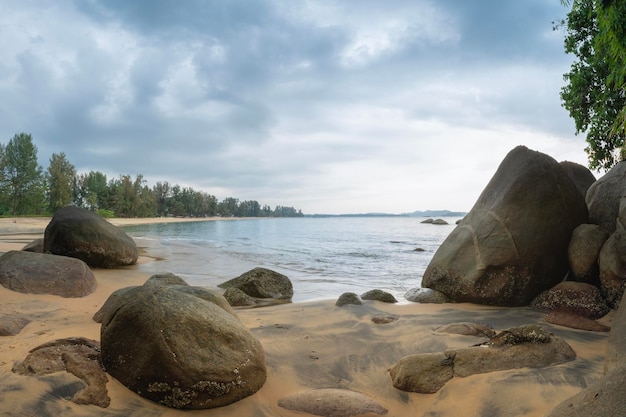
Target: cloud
x=329 y=106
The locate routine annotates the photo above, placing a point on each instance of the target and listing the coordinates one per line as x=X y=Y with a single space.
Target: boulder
x=573 y=297
x=40 y=273
x=428 y=221
x=440 y=222
x=604 y=195
x=527 y=346
x=332 y=402
x=513 y=243
x=579 y=174
x=379 y=295
x=180 y=346
x=76 y=355
x=583 y=252
x=426 y=296
x=348 y=298
x=34 y=246
x=262 y=283
x=82 y=234
x=612 y=261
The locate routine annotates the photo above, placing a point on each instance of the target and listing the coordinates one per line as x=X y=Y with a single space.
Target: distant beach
x=308 y=345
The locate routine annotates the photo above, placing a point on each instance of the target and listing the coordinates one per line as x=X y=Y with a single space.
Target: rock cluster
x=536 y=224
x=257 y=288
x=513 y=243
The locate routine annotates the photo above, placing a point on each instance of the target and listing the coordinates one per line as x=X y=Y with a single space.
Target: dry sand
x=307 y=345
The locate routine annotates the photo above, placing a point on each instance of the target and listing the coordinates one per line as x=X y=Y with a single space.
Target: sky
x=344 y=106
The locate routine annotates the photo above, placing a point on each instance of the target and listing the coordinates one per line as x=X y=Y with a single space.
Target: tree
x=22 y=177
x=594 y=94
x=60 y=178
x=92 y=191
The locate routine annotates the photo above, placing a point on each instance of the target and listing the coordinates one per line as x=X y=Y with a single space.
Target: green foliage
x=21 y=179
x=60 y=179
x=24 y=189
x=107 y=214
x=594 y=94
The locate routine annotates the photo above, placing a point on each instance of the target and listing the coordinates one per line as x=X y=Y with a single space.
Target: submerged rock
x=10 y=325
x=467 y=329
x=332 y=402
x=76 y=355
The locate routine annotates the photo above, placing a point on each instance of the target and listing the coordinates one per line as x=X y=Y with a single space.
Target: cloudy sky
x=338 y=106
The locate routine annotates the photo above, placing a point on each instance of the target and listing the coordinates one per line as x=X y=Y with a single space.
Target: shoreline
x=308 y=345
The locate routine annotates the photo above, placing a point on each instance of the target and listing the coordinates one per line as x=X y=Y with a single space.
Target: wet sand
x=307 y=346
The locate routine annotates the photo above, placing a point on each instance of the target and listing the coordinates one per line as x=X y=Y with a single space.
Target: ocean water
x=323 y=257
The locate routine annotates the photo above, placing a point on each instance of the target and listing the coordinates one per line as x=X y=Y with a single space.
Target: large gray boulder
x=604 y=195
x=82 y=234
x=40 y=273
x=580 y=175
x=262 y=283
x=612 y=261
x=583 y=251
x=178 y=345
x=513 y=243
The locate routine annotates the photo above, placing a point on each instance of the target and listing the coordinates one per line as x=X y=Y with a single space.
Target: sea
x=322 y=256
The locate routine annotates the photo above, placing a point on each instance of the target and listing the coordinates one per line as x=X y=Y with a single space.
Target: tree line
x=26 y=189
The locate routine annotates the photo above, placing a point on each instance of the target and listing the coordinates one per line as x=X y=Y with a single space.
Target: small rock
x=332 y=402
x=348 y=298
x=384 y=318
x=379 y=295
x=238 y=298
x=12 y=325
x=34 y=246
x=426 y=296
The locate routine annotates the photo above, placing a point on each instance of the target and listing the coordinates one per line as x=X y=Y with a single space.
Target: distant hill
x=427 y=213
x=437 y=213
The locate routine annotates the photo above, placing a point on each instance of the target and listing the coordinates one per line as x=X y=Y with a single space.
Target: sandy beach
x=307 y=345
